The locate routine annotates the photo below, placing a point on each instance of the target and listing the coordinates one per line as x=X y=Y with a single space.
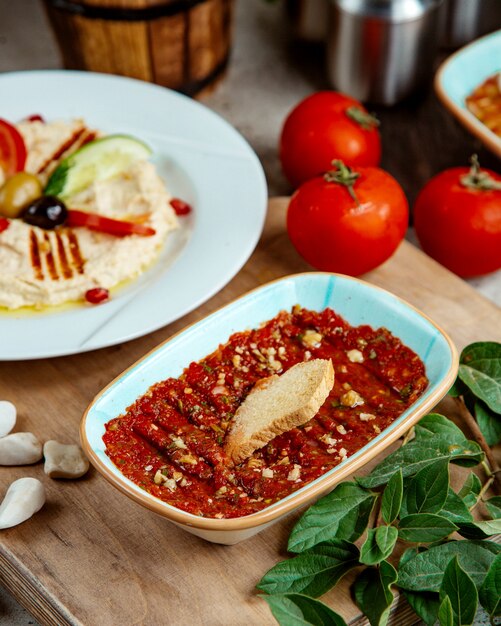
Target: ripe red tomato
x=350 y=229
x=457 y=217
x=325 y=126
x=12 y=149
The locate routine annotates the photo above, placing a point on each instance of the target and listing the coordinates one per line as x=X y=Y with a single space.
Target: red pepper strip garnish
x=97 y=295
x=4 y=224
x=107 y=225
x=35 y=118
x=180 y=206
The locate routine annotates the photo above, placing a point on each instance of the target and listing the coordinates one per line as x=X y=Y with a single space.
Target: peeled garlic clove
x=64 y=460
x=24 y=497
x=7 y=417
x=20 y=449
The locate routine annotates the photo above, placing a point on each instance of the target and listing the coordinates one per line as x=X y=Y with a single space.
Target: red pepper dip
x=170 y=441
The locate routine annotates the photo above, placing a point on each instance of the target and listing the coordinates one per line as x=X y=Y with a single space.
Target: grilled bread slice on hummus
x=277 y=404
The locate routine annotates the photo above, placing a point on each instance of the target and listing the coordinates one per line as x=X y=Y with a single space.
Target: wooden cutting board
x=91 y=556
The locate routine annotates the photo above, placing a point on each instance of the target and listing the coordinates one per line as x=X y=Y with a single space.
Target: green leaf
x=445 y=614
x=490 y=591
x=470 y=490
x=298 y=610
x=379 y=545
x=425 y=605
x=343 y=513
x=428 y=489
x=448 y=438
x=461 y=591
x=435 y=426
x=424 y=572
x=424 y=527
x=455 y=509
x=480 y=530
x=489 y=423
x=457 y=389
x=313 y=572
x=416 y=455
x=480 y=371
x=494 y=507
x=490 y=527
x=409 y=554
x=392 y=497
x=470 y=530
x=410 y=459
x=372 y=592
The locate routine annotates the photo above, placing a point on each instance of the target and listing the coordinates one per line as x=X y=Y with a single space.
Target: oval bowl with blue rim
x=355 y=300
x=460 y=74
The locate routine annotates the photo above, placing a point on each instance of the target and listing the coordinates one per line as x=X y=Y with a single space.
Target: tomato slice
x=12 y=149
x=107 y=225
x=4 y=224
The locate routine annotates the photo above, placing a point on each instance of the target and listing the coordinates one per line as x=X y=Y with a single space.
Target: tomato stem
x=367 y=121
x=343 y=175
x=476 y=179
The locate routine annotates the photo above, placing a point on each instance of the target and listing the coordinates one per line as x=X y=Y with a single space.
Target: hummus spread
x=49 y=267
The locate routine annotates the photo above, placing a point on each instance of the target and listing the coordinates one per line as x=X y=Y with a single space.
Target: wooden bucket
x=181 y=44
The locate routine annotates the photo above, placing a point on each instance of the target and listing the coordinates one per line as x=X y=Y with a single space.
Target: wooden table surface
x=268 y=74
x=91 y=556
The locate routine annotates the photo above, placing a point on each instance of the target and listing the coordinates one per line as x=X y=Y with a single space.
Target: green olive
x=18 y=192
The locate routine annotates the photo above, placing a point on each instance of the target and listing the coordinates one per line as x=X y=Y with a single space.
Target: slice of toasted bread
x=276 y=404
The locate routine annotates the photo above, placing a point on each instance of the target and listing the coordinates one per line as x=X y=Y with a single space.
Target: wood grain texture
x=92 y=556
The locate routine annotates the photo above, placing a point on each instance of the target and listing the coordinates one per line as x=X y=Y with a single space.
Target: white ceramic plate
x=202 y=159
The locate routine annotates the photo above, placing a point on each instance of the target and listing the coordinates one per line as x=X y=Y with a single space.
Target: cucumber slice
x=98 y=160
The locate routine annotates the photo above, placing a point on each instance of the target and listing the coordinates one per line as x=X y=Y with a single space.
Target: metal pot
x=382 y=50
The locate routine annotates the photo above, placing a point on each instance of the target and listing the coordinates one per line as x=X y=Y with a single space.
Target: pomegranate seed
x=4 y=224
x=180 y=206
x=35 y=118
x=97 y=295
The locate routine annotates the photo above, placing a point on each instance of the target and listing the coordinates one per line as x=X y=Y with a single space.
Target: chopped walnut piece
x=366 y=417
x=189 y=459
x=295 y=473
x=312 y=339
x=159 y=478
x=355 y=356
x=178 y=443
x=352 y=399
x=328 y=440
x=170 y=483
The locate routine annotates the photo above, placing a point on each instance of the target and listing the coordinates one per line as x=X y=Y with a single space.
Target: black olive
x=47 y=212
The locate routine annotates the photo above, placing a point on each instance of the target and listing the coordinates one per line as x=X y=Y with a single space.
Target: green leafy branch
x=477 y=392
x=407 y=497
